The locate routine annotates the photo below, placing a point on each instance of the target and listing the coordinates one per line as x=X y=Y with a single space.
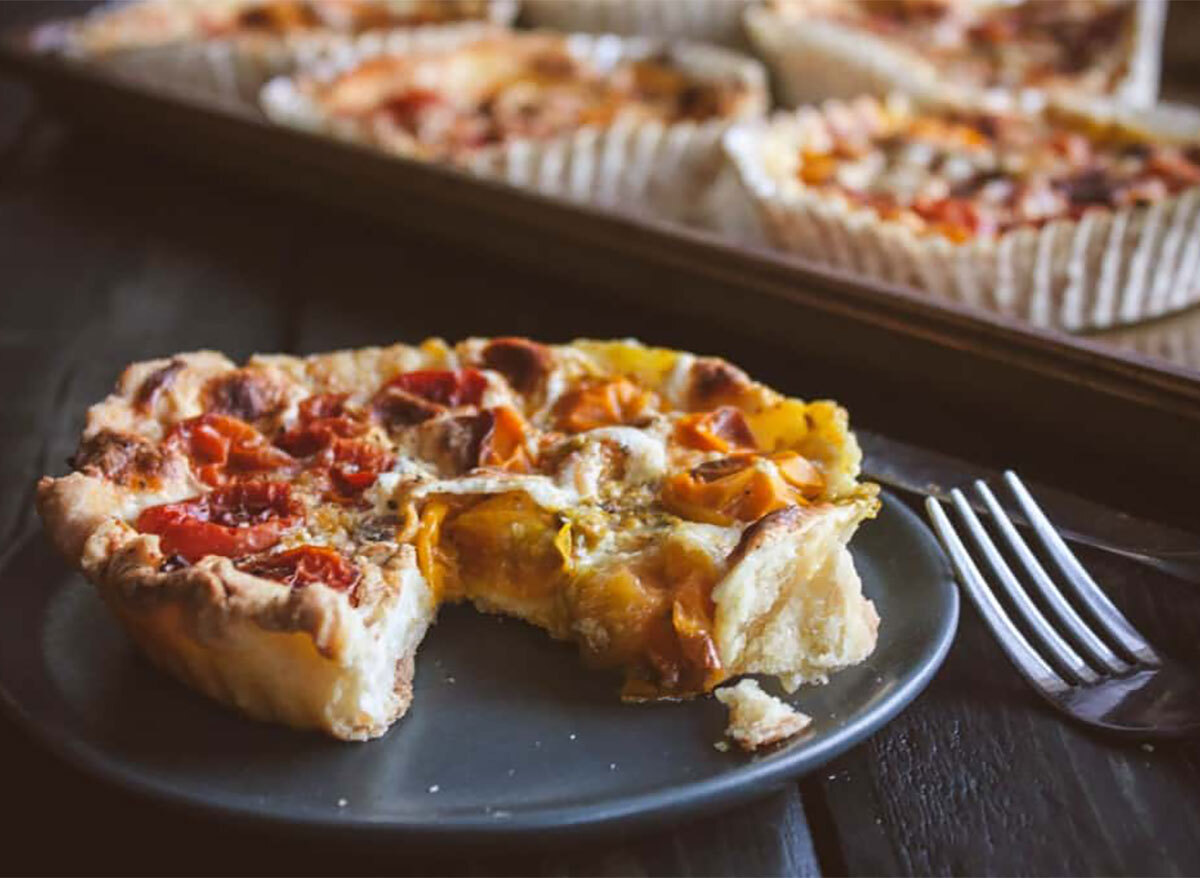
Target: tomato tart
x=609 y=120
x=279 y=535
x=1079 y=215
x=843 y=48
x=227 y=49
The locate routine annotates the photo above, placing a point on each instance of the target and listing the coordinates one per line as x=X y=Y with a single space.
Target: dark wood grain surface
x=110 y=253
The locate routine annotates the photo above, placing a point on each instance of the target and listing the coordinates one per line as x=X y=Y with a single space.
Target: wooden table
x=110 y=253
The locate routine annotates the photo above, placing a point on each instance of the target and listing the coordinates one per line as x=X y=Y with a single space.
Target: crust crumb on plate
x=758 y=719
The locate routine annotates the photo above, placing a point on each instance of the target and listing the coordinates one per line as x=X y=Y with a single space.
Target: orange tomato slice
x=742 y=487
x=602 y=404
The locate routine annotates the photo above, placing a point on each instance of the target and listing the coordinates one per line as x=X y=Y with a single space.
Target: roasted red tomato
x=418 y=396
x=406 y=110
x=354 y=465
x=448 y=387
x=323 y=405
x=238 y=519
x=326 y=436
x=305 y=565
x=323 y=418
x=223 y=448
x=523 y=362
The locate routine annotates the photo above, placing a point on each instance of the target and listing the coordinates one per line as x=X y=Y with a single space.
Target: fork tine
x=1031 y=665
x=1068 y=619
x=1107 y=616
x=1050 y=639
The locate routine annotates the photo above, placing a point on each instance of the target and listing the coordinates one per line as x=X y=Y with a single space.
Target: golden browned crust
x=790 y=603
x=762 y=532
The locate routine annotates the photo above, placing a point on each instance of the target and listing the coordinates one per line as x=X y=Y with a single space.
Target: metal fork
x=1103 y=674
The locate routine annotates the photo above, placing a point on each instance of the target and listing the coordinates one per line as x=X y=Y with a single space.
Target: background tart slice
x=227 y=49
x=1052 y=215
x=821 y=49
x=629 y=122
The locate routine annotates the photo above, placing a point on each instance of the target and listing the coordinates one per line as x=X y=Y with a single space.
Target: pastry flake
x=758 y=719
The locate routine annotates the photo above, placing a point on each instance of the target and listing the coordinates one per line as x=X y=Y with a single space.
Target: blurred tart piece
x=629 y=123
x=447 y=104
x=843 y=48
x=1075 y=216
x=229 y=48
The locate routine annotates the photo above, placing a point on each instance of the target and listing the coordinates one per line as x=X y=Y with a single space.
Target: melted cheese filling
x=634 y=593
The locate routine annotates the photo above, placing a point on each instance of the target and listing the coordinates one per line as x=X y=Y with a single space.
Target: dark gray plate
x=509 y=733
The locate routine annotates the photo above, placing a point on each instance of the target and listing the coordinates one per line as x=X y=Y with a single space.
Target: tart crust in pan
x=225 y=50
x=671 y=516
x=1092 y=252
x=822 y=49
x=640 y=131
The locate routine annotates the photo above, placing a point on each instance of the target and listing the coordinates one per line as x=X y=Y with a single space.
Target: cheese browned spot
x=715 y=383
x=125 y=458
x=155 y=383
x=245 y=394
x=522 y=362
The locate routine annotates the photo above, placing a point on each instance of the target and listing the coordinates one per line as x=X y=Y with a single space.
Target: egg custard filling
x=678 y=521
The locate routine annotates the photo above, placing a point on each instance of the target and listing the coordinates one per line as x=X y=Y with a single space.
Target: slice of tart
x=843 y=48
x=229 y=48
x=447 y=104
x=632 y=123
x=146 y=23
x=1074 y=216
x=280 y=535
